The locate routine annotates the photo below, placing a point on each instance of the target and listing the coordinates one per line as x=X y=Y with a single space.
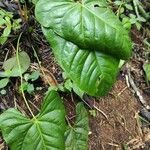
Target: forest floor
x=120 y=121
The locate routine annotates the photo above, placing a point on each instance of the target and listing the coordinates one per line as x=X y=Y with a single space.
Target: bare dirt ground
x=122 y=126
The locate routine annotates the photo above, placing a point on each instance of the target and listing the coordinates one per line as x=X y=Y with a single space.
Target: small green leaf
x=23 y=87
x=138 y=25
x=11 y=65
x=118 y=3
x=128 y=6
x=6 y=31
x=121 y=10
x=16 y=24
x=126 y=23
x=4 y=82
x=93 y=112
x=77 y=136
x=30 y=88
x=26 y=76
x=45 y=132
x=146 y=68
x=3 y=92
x=34 y=75
x=141 y=19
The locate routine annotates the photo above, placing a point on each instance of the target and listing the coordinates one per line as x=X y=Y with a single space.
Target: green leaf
x=77 y=136
x=138 y=25
x=7 y=30
x=45 y=132
x=16 y=24
x=146 y=68
x=95 y=26
x=118 y=3
x=3 y=82
x=68 y=85
x=92 y=71
x=30 y=88
x=34 y=75
x=23 y=87
x=126 y=23
x=2 y=21
x=129 y=6
x=87 y=47
x=11 y=66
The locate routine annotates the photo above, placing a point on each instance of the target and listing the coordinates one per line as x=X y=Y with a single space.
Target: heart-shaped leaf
x=45 y=132
x=88 y=24
x=93 y=71
x=77 y=136
x=87 y=39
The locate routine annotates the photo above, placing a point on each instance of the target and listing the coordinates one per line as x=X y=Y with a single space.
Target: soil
x=117 y=124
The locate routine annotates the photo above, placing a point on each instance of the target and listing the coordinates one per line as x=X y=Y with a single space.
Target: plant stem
x=40 y=65
x=18 y=61
x=135 y=3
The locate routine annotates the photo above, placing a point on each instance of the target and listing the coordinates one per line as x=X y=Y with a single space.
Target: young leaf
x=30 y=88
x=77 y=136
x=6 y=31
x=34 y=75
x=45 y=132
x=11 y=65
x=3 y=82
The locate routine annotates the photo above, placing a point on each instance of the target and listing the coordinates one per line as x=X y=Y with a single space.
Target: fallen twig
x=136 y=90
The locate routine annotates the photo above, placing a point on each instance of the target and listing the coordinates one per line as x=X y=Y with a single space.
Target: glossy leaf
x=88 y=24
x=77 y=136
x=87 y=39
x=45 y=132
x=91 y=71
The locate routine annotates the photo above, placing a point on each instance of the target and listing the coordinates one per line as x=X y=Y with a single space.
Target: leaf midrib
x=40 y=133
x=98 y=17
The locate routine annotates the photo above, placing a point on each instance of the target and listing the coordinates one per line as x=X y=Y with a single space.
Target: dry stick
x=136 y=90
x=34 y=106
x=96 y=108
x=101 y=112
x=6 y=56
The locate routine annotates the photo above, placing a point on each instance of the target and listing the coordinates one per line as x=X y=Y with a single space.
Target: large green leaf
x=88 y=24
x=87 y=39
x=93 y=71
x=45 y=132
x=77 y=136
